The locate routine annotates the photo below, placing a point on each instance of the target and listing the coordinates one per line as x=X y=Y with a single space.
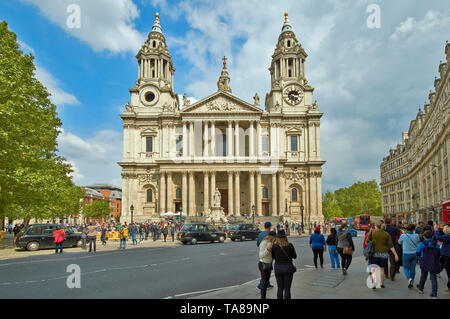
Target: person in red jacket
x=59 y=236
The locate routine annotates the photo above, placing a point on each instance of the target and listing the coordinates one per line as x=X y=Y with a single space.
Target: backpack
x=431 y=260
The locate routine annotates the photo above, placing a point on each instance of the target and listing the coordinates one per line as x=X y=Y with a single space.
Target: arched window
x=289 y=43
x=154 y=44
x=294 y=195
x=149 y=196
x=265 y=192
x=179 y=193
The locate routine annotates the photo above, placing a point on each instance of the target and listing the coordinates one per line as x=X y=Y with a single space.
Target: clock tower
x=290 y=92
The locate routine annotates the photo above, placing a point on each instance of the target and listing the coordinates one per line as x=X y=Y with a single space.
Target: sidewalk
x=332 y=284
x=8 y=251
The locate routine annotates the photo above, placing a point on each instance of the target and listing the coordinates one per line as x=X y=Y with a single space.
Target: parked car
x=40 y=236
x=243 y=232
x=194 y=233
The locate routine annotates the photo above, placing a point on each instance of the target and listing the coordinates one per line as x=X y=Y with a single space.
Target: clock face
x=293 y=95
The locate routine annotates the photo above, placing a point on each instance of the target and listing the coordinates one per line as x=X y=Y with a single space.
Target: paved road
x=172 y=272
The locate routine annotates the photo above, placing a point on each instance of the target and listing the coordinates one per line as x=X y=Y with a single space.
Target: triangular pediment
x=221 y=102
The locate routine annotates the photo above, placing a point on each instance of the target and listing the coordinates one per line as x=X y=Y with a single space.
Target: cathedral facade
x=264 y=160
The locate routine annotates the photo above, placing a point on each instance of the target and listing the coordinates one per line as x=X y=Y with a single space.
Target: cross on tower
x=224 y=62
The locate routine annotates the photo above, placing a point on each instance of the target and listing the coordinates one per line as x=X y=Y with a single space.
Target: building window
x=179 y=193
x=149 y=196
x=265 y=193
x=179 y=145
x=294 y=195
x=149 y=144
x=294 y=143
x=265 y=143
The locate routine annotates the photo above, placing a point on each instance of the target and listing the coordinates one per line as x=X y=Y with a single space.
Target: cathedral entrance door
x=265 y=209
x=224 y=200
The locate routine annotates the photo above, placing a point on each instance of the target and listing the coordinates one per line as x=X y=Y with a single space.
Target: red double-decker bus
x=364 y=222
x=446 y=212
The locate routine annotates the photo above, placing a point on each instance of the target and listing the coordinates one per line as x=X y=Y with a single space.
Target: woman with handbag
x=283 y=252
x=265 y=261
x=345 y=247
x=382 y=244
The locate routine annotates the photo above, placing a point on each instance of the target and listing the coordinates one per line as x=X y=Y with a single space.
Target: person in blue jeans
x=133 y=233
x=318 y=245
x=409 y=242
x=428 y=251
x=332 y=243
x=264 y=233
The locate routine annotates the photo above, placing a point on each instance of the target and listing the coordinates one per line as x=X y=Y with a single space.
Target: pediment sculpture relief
x=220 y=105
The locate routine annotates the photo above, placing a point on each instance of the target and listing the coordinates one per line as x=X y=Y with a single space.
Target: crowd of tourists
x=387 y=247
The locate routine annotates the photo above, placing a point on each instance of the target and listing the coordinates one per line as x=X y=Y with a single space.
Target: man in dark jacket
x=395 y=234
x=444 y=237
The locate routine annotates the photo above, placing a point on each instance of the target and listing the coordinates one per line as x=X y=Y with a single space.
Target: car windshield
x=235 y=227
x=189 y=227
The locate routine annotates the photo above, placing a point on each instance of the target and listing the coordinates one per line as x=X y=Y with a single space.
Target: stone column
x=184 y=192
x=251 y=144
x=213 y=187
x=230 y=139
x=169 y=192
x=162 y=193
x=205 y=140
x=213 y=138
x=282 y=195
x=252 y=190
x=191 y=194
x=258 y=139
x=191 y=139
x=205 y=192
x=230 y=193
x=185 y=137
x=237 y=199
x=258 y=194
x=274 y=195
x=236 y=138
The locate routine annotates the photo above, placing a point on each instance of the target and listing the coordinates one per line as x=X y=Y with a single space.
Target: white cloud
x=105 y=25
x=58 y=96
x=413 y=28
x=94 y=159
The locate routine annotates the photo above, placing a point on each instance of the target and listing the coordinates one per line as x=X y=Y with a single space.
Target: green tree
x=97 y=209
x=34 y=180
x=360 y=198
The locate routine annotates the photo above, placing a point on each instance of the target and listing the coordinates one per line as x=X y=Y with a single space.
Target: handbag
x=347 y=251
x=294 y=269
x=369 y=250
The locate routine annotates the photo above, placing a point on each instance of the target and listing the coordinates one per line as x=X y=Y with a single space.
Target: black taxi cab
x=243 y=232
x=194 y=233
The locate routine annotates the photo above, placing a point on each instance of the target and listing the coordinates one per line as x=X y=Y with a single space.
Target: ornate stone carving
x=129 y=107
x=149 y=177
x=294 y=176
x=275 y=108
x=186 y=101
x=220 y=105
x=256 y=99
x=169 y=107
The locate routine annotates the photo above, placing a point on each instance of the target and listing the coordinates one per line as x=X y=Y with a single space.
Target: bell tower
x=154 y=86
x=289 y=88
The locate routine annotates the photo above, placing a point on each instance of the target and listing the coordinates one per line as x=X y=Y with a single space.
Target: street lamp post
x=301 y=211
x=253 y=214
x=131 y=210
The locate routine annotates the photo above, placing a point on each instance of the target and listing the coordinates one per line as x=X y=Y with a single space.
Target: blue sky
x=369 y=83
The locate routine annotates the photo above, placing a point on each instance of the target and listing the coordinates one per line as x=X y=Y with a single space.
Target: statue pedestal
x=217 y=215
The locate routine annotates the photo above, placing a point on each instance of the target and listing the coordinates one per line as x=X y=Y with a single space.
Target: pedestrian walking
x=345 y=247
x=147 y=231
x=165 y=232
x=261 y=236
x=419 y=229
x=283 y=253
x=92 y=236
x=318 y=245
x=382 y=244
x=429 y=252
x=265 y=261
x=393 y=231
x=103 y=235
x=409 y=242
x=443 y=235
x=59 y=236
x=84 y=237
x=133 y=232
x=123 y=235
x=173 y=230
x=332 y=244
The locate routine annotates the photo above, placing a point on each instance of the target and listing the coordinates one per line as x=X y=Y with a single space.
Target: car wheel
x=221 y=239
x=243 y=238
x=233 y=239
x=33 y=246
x=193 y=241
x=80 y=243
